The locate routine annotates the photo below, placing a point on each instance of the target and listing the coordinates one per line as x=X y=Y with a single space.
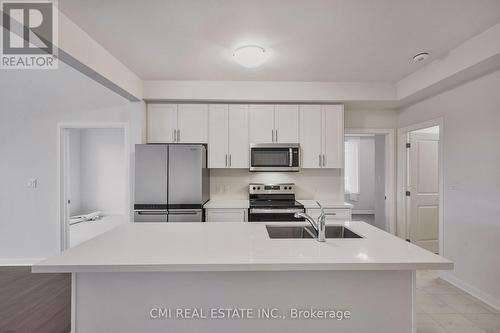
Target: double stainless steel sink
x=299 y=232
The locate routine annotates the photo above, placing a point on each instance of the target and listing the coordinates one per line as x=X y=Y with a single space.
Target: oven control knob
x=253 y=188
x=258 y=188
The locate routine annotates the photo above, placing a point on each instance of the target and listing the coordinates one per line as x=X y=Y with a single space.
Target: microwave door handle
x=290 y=152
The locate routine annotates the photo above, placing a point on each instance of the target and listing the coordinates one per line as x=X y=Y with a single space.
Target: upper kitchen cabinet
x=261 y=126
x=192 y=123
x=228 y=136
x=172 y=123
x=162 y=123
x=274 y=123
x=322 y=136
x=286 y=123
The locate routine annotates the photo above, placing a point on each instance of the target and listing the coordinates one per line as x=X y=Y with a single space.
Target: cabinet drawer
x=340 y=213
x=226 y=215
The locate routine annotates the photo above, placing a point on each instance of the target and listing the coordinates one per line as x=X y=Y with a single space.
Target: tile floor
x=442 y=308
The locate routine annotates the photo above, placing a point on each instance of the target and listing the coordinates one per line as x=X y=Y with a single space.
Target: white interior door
x=310 y=135
x=162 y=121
x=261 y=123
x=239 y=148
x=424 y=190
x=217 y=135
x=333 y=136
x=286 y=120
x=192 y=123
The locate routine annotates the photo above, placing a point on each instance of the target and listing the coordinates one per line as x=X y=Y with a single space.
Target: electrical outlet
x=31 y=183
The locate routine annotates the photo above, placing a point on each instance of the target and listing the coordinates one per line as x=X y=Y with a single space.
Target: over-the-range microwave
x=275 y=157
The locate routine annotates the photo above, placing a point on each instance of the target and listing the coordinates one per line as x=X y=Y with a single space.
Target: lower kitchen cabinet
x=341 y=214
x=226 y=215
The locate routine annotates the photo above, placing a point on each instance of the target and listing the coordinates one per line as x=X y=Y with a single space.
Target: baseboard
x=365 y=211
x=19 y=261
x=479 y=294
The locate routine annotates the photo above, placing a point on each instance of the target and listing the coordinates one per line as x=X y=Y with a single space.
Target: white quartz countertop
x=160 y=247
x=308 y=204
x=227 y=204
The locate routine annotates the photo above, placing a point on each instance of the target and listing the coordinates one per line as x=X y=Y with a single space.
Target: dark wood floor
x=34 y=302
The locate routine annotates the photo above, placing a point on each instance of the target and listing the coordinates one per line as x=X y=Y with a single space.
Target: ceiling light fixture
x=250 y=56
x=420 y=57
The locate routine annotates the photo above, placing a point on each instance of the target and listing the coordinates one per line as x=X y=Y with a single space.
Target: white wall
x=101 y=181
x=355 y=118
x=364 y=202
x=74 y=188
x=29 y=228
x=471 y=167
x=310 y=184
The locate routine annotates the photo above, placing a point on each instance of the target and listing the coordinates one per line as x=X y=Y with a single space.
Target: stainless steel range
x=273 y=202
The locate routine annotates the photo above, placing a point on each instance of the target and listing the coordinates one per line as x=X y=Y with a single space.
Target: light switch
x=32 y=183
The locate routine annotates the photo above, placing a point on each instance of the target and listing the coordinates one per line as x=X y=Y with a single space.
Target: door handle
x=178 y=135
x=272 y=135
x=173 y=135
x=276 y=135
x=149 y=212
x=192 y=212
x=226 y=160
x=229 y=160
x=324 y=163
x=319 y=158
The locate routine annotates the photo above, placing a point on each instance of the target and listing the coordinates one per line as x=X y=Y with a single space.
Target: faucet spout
x=319 y=226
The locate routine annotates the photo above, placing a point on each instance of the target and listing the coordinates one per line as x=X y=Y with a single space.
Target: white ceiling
x=309 y=40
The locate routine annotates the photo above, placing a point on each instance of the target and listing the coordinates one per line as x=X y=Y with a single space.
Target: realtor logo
x=28 y=36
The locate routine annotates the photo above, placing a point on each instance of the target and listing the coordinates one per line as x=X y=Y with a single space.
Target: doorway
x=422 y=189
x=94 y=189
x=420 y=185
x=369 y=176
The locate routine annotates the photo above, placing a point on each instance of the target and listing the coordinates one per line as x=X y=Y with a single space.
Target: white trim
x=401 y=177
x=62 y=140
x=477 y=293
x=19 y=261
x=363 y=211
x=73 y=303
x=390 y=170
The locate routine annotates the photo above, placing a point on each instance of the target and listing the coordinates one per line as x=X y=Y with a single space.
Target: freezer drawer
x=185 y=215
x=150 y=216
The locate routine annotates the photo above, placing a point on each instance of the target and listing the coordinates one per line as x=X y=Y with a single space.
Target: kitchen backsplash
x=310 y=183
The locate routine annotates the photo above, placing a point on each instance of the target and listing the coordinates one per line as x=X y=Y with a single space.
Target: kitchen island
x=232 y=277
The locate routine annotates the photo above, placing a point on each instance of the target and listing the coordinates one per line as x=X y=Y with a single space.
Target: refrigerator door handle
x=152 y=212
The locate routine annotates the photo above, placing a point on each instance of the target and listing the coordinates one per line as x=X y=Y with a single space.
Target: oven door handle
x=275 y=211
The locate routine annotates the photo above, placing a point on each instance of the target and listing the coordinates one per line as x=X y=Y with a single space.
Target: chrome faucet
x=319 y=227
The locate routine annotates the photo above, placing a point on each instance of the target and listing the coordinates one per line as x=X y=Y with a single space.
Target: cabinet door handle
x=324 y=160
x=319 y=158
x=230 y=160
x=272 y=135
x=173 y=136
x=276 y=135
x=178 y=135
x=226 y=160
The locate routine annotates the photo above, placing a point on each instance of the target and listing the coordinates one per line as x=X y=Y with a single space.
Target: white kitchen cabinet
x=261 y=123
x=274 y=123
x=217 y=135
x=228 y=136
x=192 y=123
x=286 y=123
x=239 y=148
x=226 y=215
x=172 y=123
x=162 y=122
x=322 y=136
x=333 y=136
x=310 y=118
x=341 y=214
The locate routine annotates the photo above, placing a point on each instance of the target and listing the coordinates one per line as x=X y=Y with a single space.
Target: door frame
x=390 y=170
x=63 y=174
x=403 y=227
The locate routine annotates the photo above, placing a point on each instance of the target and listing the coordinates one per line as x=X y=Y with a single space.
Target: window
x=351 y=170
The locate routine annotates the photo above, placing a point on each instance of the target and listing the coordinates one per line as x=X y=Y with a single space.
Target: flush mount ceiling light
x=250 y=56
x=420 y=57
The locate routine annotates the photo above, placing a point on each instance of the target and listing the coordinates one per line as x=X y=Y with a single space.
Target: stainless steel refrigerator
x=171 y=183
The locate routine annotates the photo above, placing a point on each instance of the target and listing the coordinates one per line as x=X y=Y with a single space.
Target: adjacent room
x=250 y=166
